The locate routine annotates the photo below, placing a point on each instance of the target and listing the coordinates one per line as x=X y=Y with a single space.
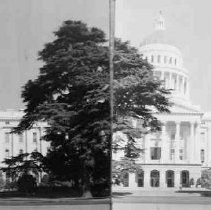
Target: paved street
x=149 y=206
x=160 y=200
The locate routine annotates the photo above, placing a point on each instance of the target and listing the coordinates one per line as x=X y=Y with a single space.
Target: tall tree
x=138 y=96
x=71 y=93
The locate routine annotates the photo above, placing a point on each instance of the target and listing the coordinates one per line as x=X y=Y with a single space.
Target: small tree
x=23 y=164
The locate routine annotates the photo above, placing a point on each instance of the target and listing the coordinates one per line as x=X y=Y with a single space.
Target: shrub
x=192 y=181
x=26 y=184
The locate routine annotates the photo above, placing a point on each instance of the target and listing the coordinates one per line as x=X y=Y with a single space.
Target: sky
x=25 y=26
x=189 y=24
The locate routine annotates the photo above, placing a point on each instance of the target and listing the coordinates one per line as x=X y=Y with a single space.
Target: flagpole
x=111 y=67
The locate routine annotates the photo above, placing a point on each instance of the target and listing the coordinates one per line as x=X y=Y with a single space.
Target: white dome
x=167 y=61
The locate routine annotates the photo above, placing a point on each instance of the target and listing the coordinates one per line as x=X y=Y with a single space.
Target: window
x=158 y=58
x=152 y=58
x=155 y=153
x=181 y=154
x=7 y=153
x=34 y=137
x=155 y=178
x=140 y=178
x=180 y=83
x=172 y=136
x=20 y=151
x=170 y=60
x=20 y=138
x=7 y=122
x=202 y=155
x=157 y=75
x=172 y=154
x=170 y=178
x=174 y=77
x=165 y=59
x=7 y=137
x=185 y=87
x=175 y=61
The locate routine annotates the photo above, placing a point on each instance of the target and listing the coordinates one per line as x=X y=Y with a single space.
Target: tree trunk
x=86 y=187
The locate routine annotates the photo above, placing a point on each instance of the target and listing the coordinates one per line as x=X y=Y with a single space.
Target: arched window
x=185 y=178
x=170 y=178
x=125 y=179
x=158 y=58
x=202 y=155
x=140 y=178
x=175 y=61
x=155 y=178
x=152 y=58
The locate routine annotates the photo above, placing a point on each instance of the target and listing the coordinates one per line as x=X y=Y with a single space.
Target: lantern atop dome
x=160 y=22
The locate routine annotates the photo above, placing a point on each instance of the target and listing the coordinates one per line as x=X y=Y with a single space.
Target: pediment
x=185 y=108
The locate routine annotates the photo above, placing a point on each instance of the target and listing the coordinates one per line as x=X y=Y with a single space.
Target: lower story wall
x=163 y=176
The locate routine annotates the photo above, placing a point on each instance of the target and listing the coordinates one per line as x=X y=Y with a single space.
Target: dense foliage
x=138 y=96
x=71 y=93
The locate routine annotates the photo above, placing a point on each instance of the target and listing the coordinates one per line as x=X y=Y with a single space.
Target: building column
x=208 y=146
x=187 y=88
x=191 y=142
x=164 y=144
x=12 y=145
x=177 y=142
x=197 y=146
x=170 y=81
x=162 y=78
x=2 y=148
x=147 y=149
x=39 y=141
x=163 y=179
x=26 y=142
x=177 y=83
x=162 y=75
x=183 y=83
x=132 y=180
x=177 y=177
x=147 y=179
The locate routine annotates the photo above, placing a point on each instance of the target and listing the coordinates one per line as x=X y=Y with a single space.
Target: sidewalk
x=131 y=192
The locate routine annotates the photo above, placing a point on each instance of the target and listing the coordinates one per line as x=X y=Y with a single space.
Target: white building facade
x=27 y=142
x=178 y=153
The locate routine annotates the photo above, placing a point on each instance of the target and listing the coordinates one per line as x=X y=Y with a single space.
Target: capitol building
x=180 y=152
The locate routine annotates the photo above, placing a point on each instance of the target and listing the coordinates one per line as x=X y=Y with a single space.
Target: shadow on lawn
x=56 y=192
x=201 y=192
x=119 y=194
x=46 y=194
